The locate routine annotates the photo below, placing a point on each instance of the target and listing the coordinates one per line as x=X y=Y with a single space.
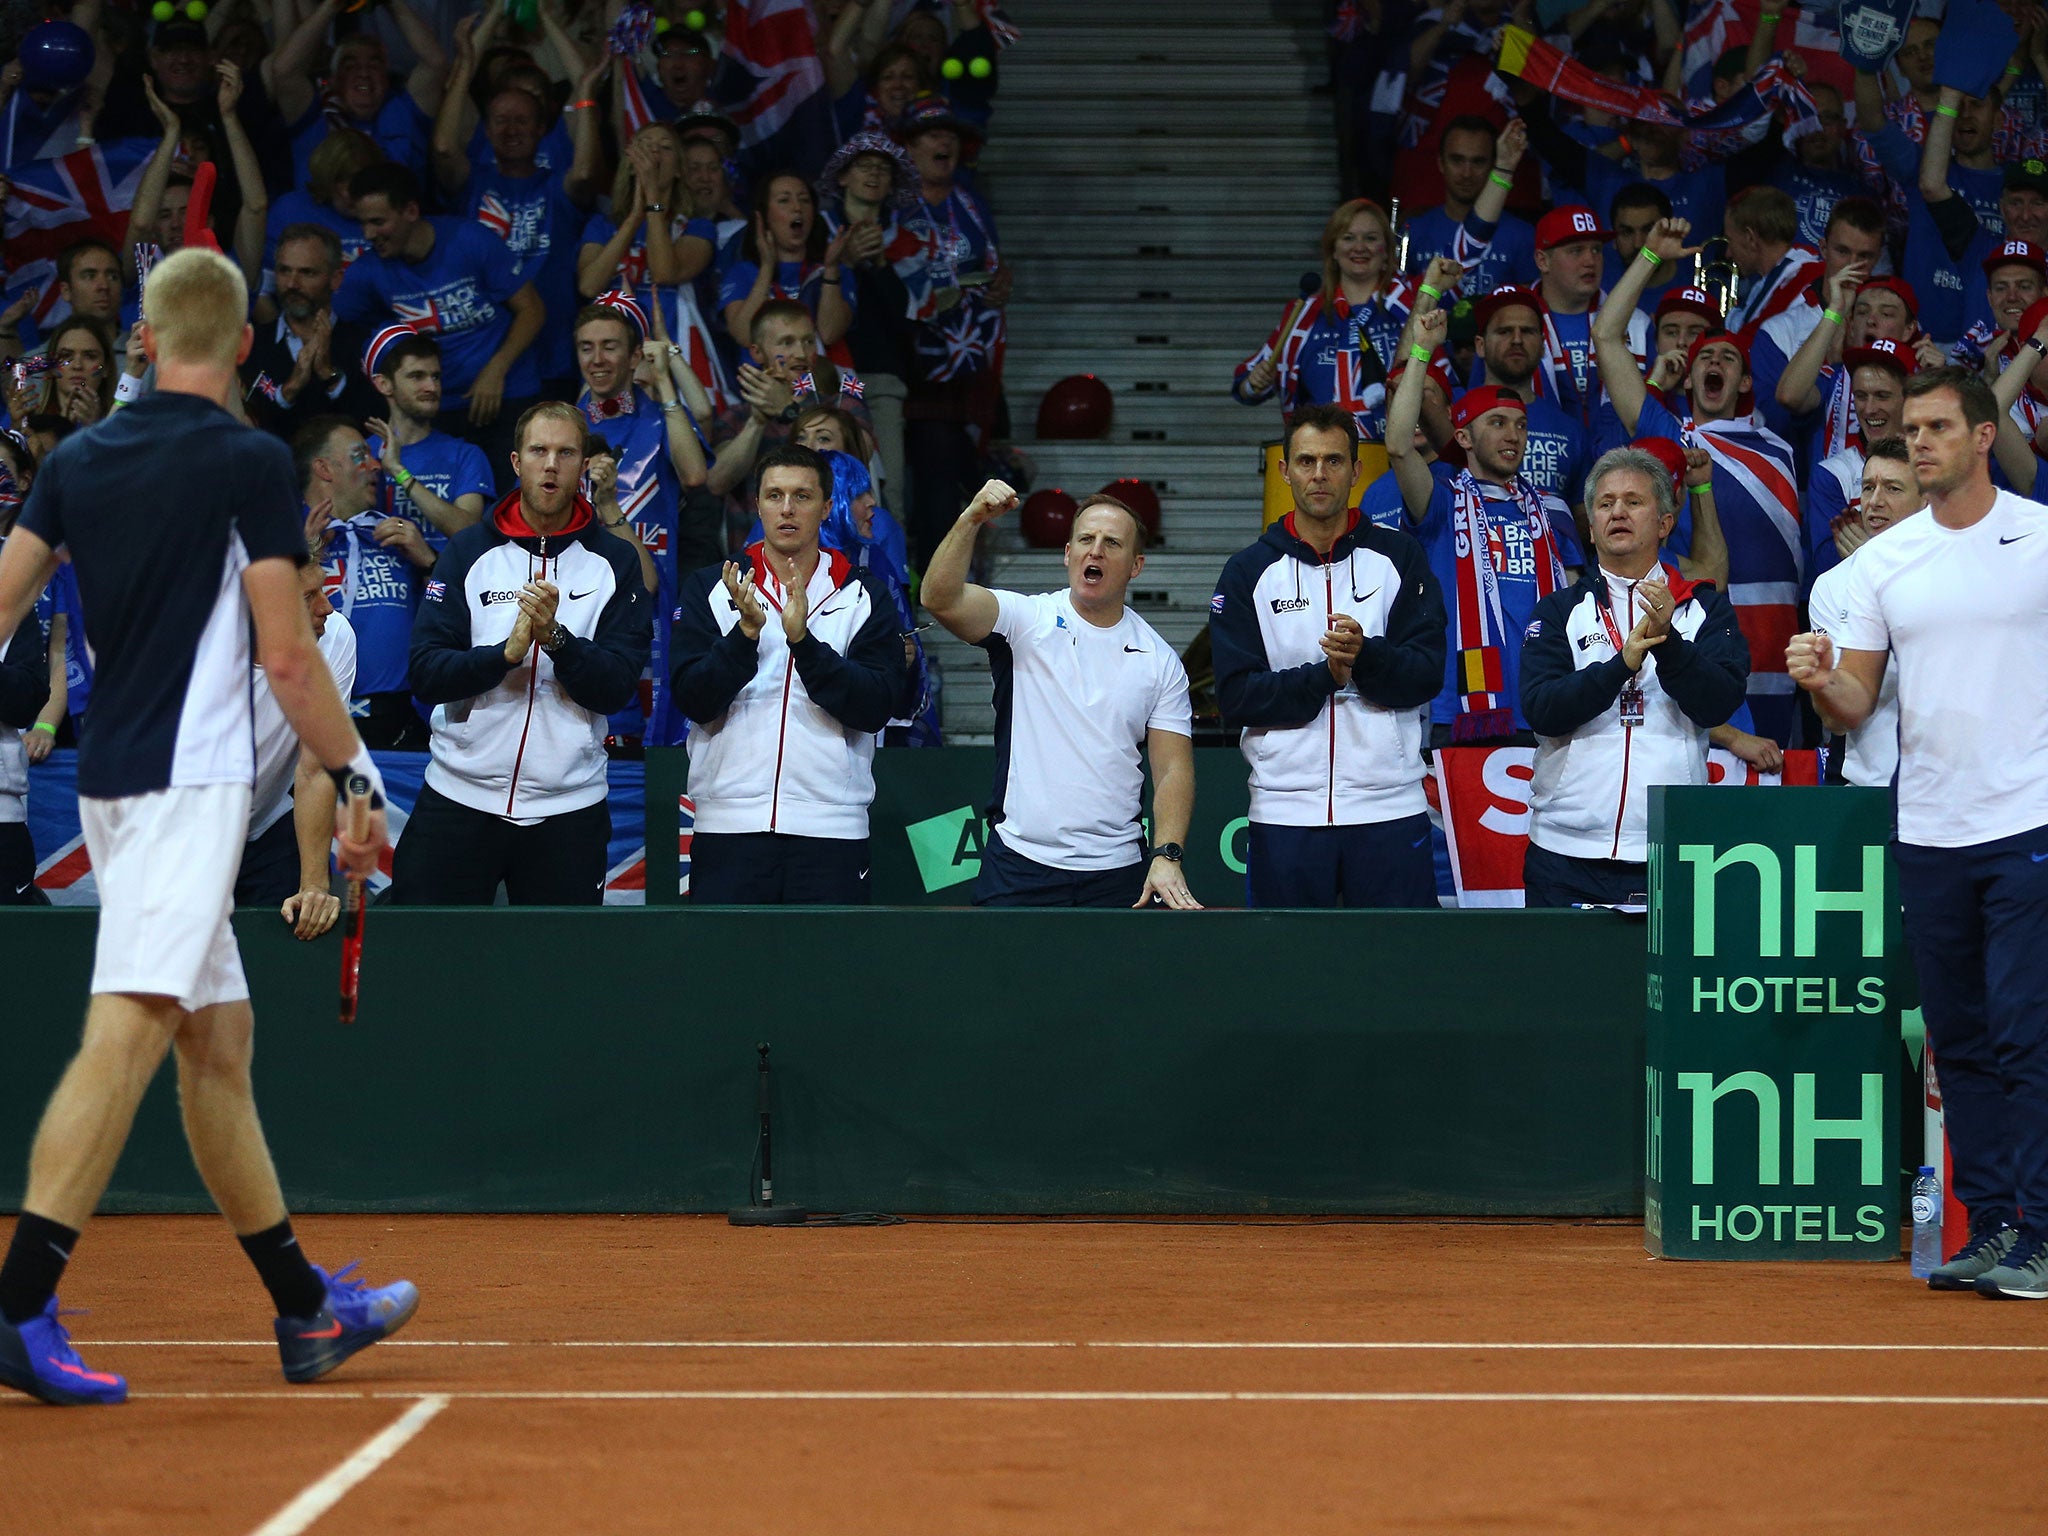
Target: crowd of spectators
x=1635 y=291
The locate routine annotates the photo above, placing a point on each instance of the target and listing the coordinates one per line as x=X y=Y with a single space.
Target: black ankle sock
x=285 y=1271
x=35 y=1263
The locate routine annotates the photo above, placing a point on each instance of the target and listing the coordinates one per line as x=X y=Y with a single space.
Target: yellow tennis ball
x=952 y=69
x=661 y=25
x=196 y=10
x=981 y=69
x=694 y=20
x=163 y=10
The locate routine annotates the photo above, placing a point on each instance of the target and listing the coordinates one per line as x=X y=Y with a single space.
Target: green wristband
x=1943 y=109
x=1651 y=257
x=1419 y=354
x=1699 y=490
x=1501 y=179
x=1833 y=317
x=1434 y=293
x=46 y=728
x=403 y=476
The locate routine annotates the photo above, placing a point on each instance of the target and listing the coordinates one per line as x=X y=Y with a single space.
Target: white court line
x=1474 y=1345
x=329 y=1491
x=441 y=1400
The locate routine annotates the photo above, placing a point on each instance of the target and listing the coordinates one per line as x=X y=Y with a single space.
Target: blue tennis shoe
x=355 y=1317
x=37 y=1358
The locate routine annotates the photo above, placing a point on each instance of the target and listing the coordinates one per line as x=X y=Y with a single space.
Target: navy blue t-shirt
x=163 y=506
x=458 y=293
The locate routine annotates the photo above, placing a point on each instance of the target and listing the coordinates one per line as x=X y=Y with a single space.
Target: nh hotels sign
x=1773 y=1042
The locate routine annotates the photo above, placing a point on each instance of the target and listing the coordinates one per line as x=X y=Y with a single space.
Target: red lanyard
x=1607 y=618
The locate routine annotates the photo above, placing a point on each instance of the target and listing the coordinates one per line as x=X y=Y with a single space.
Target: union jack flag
x=424 y=318
x=269 y=389
x=963 y=342
x=686 y=819
x=850 y=387
x=804 y=387
x=495 y=216
x=54 y=202
x=770 y=75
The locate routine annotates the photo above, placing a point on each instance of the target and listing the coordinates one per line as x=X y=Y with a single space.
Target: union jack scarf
x=1479 y=626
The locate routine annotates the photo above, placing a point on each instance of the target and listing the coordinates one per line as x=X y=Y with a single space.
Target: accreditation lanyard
x=1632 y=702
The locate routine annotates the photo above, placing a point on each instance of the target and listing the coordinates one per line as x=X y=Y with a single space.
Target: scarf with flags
x=1798 y=271
x=1478 y=632
x=1551 y=69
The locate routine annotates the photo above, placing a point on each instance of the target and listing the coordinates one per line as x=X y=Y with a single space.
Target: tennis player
x=1958 y=602
x=183 y=525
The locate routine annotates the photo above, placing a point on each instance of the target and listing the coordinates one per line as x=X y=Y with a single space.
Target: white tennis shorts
x=165 y=864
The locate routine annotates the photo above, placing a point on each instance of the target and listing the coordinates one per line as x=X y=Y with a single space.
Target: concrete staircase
x=1160 y=191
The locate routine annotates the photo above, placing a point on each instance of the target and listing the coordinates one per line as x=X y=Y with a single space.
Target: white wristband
x=362 y=763
x=128 y=389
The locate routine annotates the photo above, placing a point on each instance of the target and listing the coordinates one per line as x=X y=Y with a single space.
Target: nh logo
x=1808 y=899
x=1808 y=1129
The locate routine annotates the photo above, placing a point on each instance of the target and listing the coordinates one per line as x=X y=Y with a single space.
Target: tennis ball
x=981 y=69
x=163 y=10
x=694 y=20
x=952 y=69
x=661 y=25
x=196 y=10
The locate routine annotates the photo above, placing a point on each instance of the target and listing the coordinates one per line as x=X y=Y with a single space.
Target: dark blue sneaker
x=355 y=1317
x=37 y=1358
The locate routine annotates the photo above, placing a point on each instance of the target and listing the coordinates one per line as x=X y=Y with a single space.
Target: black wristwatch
x=1171 y=851
x=2040 y=348
x=557 y=638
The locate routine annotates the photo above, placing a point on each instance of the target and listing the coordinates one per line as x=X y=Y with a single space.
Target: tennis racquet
x=354 y=903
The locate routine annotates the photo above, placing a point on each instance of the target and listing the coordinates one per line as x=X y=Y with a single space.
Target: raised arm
x=1798 y=385
x=451 y=143
x=1620 y=374
x=969 y=612
x=1424 y=334
x=248 y=237
x=288 y=72
x=1708 y=561
x=156 y=178
x=581 y=183
x=1936 y=152
x=430 y=66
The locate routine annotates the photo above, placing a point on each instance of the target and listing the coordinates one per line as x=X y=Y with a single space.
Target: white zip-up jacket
x=526 y=741
x=1589 y=797
x=783 y=737
x=1321 y=755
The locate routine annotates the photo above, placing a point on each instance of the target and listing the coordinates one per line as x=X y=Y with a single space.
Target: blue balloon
x=55 y=55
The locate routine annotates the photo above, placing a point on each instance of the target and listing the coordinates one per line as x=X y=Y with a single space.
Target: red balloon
x=1140 y=498
x=1078 y=406
x=1047 y=518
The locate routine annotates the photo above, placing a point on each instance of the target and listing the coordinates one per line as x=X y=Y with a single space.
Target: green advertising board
x=1771 y=1111
x=926 y=826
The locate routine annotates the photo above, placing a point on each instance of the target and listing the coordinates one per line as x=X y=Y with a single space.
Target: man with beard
x=1942 y=599
x=357 y=92
x=298 y=369
x=1465 y=155
x=1756 y=489
x=1496 y=544
x=535 y=628
x=1510 y=326
x=439 y=481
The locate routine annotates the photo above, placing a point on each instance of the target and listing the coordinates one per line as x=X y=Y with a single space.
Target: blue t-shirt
x=1514 y=563
x=296 y=207
x=401 y=129
x=448 y=467
x=536 y=218
x=1700 y=196
x=1510 y=259
x=63 y=598
x=460 y=291
x=375 y=588
x=1814 y=194
x=1555 y=460
x=1947 y=287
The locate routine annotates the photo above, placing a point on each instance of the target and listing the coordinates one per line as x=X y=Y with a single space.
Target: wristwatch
x=1171 y=851
x=557 y=638
x=2040 y=347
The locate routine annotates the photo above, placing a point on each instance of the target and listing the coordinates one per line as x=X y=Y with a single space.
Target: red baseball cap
x=1563 y=226
x=1701 y=343
x=1882 y=353
x=1690 y=301
x=1439 y=369
x=1899 y=286
x=1507 y=296
x=1668 y=452
x=1487 y=397
x=2017 y=253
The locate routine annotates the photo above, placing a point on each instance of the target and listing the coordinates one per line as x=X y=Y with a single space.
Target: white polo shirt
x=1073 y=703
x=1964 y=613
x=1872 y=754
x=277 y=744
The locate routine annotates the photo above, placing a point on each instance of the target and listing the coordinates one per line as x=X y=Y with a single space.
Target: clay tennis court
x=671 y=1373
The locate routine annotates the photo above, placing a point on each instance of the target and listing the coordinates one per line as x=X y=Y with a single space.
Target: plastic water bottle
x=1926 y=1223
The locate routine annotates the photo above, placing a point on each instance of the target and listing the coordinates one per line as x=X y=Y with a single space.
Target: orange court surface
x=658 y=1374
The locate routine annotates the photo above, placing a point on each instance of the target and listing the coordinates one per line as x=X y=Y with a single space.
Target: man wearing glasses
x=375 y=564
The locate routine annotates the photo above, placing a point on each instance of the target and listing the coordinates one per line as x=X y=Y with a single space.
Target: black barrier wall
x=925 y=1061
